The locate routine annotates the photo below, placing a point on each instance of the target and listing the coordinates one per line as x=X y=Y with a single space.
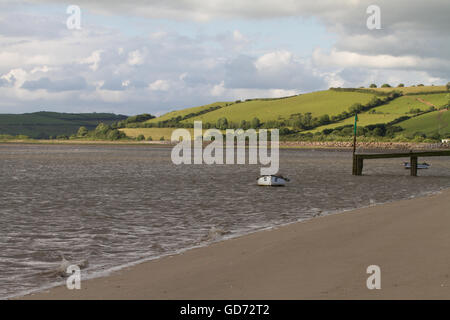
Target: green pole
x=354 y=134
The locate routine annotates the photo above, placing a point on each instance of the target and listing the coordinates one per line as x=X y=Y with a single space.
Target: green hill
x=317 y=103
x=184 y=113
x=429 y=124
x=330 y=109
x=45 y=124
x=365 y=119
x=414 y=110
x=394 y=109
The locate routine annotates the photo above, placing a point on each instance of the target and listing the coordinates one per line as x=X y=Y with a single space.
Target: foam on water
x=117 y=206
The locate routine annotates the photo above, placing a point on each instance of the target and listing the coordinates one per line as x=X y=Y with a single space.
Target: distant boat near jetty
x=419 y=165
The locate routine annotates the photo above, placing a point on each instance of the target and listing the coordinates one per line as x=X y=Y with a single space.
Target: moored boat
x=272 y=180
x=419 y=165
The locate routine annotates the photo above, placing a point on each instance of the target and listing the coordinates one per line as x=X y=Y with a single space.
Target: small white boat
x=419 y=165
x=272 y=180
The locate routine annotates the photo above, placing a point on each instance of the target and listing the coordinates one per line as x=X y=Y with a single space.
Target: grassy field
x=438 y=99
x=404 y=104
x=184 y=112
x=155 y=133
x=429 y=123
x=401 y=106
x=394 y=110
x=329 y=102
x=364 y=119
x=318 y=103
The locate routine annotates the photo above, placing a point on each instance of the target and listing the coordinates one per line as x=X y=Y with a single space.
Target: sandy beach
x=322 y=258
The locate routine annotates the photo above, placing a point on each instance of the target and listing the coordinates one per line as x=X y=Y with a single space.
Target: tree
x=222 y=123
x=102 y=129
x=414 y=110
x=307 y=120
x=373 y=85
x=297 y=123
x=113 y=134
x=378 y=132
x=140 y=137
x=401 y=85
x=448 y=86
x=360 y=131
x=325 y=119
x=386 y=85
x=244 y=125
x=255 y=123
x=355 y=108
x=83 y=131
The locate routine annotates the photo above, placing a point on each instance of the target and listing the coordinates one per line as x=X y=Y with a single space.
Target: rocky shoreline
x=366 y=145
x=283 y=144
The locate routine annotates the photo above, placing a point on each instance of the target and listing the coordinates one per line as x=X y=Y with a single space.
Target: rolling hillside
x=365 y=119
x=188 y=111
x=317 y=103
x=429 y=124
x=416 y=104
x=395 y=109
x=45 y=124
x=375 y=106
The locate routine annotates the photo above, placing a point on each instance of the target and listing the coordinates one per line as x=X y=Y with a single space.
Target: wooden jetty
x=358 y=159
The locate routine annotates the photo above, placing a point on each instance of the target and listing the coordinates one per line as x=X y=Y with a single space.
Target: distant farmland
x=317 y=103
x=46 y=124
x=420 y=111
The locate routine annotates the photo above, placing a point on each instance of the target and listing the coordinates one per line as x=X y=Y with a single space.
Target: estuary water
x=110 y=206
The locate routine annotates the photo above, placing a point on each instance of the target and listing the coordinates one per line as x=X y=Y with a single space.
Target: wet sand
x=323 y=258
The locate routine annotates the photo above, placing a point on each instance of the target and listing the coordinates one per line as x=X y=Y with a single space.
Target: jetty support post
x=414 y=162
x=359 y=166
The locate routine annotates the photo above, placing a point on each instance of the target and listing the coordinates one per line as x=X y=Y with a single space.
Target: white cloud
x=218 y=89
x=93 y=60
x=158 y=35
x=159 y=85
x=384 y=61
x=274 y=60
x=43 y=69
x=273 y=70
x=183 y=76
x=16 y=77
x=11 y=59
x=206 y=11
x=135 y=58
x=238 y=36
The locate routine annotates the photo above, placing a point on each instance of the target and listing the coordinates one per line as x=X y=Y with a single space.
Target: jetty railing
x=358 y=159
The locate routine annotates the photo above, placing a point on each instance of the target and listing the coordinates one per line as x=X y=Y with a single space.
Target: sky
x=148 y=56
